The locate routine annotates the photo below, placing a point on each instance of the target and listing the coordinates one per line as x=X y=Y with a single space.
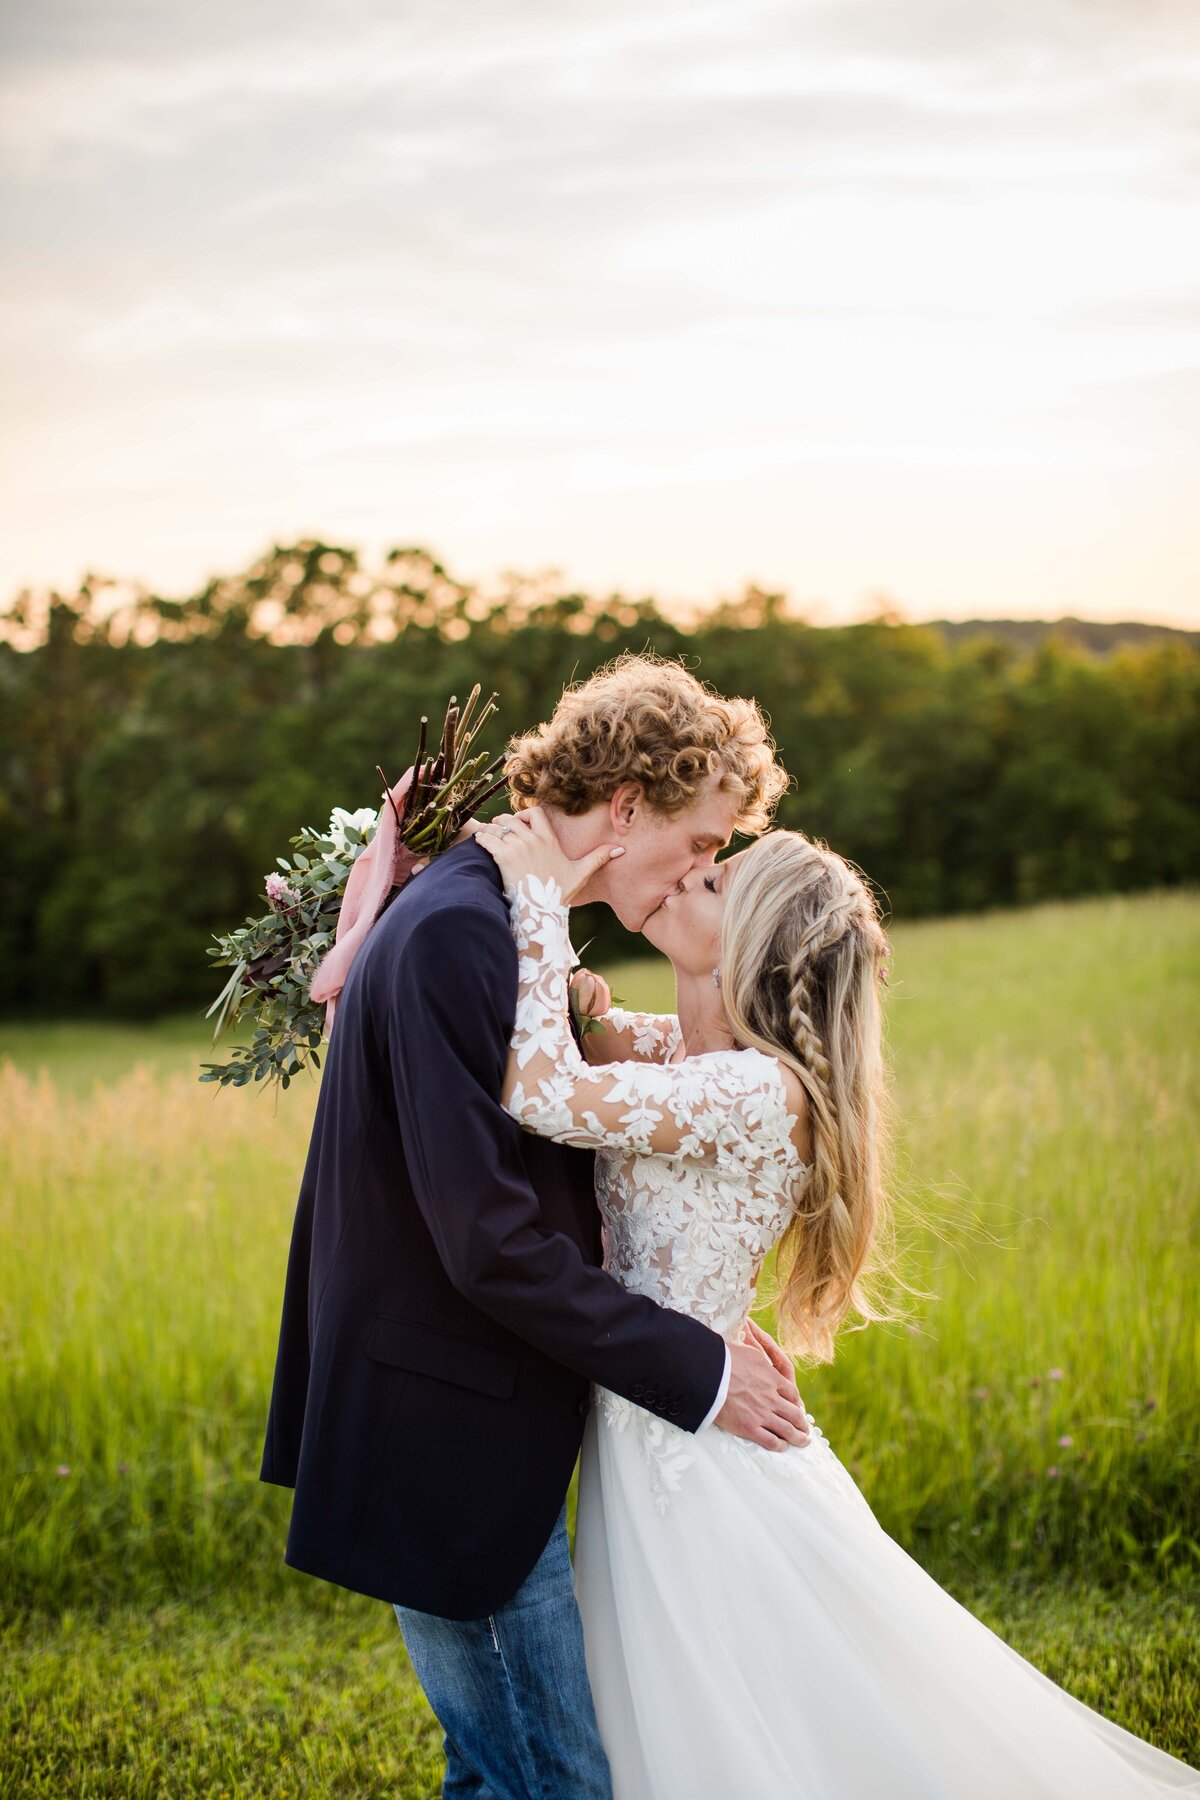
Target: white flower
x=340 y=819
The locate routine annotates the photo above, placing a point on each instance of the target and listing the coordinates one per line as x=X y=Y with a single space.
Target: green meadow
x=1029 y=1430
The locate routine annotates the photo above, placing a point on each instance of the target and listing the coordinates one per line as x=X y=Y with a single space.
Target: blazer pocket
x=424 y=1350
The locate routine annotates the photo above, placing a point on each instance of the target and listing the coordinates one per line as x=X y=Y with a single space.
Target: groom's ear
x=625 y=804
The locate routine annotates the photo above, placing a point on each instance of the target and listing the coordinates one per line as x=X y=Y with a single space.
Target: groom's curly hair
x=644 y=719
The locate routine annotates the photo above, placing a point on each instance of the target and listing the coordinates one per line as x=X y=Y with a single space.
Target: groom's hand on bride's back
x=763 y=1404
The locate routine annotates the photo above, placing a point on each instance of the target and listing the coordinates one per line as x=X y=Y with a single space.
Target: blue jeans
x=511 y=1691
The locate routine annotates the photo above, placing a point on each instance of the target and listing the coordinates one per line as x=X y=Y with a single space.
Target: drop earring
x=716 y=974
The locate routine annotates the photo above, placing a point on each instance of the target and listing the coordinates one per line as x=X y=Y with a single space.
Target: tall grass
x=1042 y=1409
x=143 y=1231
x=1039 y=1411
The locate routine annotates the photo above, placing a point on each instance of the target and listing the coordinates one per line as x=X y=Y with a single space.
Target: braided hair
x=802 y=955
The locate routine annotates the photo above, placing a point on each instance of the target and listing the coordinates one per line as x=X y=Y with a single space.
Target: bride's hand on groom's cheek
x=524 y=844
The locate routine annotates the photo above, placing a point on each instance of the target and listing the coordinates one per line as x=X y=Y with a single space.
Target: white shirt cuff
x=722 y=1393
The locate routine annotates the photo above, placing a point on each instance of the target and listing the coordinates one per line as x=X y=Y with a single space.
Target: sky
x=848 y=298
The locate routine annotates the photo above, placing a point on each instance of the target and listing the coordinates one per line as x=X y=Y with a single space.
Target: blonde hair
x=802 y=955
x=647 y=720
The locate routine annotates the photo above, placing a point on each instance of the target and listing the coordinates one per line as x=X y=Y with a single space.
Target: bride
x=750 y=1628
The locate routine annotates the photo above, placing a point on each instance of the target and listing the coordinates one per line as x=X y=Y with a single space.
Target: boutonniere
x=585 y=1022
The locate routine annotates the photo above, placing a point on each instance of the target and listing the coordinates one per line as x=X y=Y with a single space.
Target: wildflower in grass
x=63 y=1469
x=1065 y=1442
x=1052 y=1472
x=1035 y=1381
x=1151 y=1403
x=980 y=1393
x=1054 y=1374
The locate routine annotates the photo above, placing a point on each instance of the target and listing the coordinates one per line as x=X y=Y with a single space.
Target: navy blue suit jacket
x=444 y=1309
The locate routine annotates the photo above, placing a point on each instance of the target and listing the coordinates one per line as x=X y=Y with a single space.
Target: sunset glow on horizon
x=847 y=299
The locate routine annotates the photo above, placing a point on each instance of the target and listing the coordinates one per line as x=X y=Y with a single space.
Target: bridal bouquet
x=275 y=957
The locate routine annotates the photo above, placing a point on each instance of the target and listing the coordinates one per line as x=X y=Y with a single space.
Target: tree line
x=159 y=753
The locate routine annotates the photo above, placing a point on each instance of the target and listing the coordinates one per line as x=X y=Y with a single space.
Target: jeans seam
x=532 y=1780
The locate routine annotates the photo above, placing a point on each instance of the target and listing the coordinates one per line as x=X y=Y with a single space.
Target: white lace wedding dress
x=751 y=1630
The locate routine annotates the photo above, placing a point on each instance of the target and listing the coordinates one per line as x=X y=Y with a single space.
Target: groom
x=445 y=1310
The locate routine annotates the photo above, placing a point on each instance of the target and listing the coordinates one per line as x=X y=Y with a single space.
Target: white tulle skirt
x=752 y=1631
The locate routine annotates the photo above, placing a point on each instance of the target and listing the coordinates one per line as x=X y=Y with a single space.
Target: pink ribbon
x=384 y=864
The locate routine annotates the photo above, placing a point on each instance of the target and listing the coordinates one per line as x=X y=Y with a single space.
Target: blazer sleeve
x=451 y=1013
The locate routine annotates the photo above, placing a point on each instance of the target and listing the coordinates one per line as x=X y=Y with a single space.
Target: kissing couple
x=515 y=1236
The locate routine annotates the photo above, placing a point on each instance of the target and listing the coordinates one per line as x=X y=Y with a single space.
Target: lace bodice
x=697 y=1174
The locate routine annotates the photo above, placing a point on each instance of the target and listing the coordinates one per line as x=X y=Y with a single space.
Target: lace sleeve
x=718 y=1106
x=632 y=1037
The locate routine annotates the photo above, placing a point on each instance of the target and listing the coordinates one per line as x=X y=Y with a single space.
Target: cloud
x=616 y=250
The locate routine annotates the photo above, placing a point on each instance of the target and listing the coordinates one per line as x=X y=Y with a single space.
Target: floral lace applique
x=697 y=1172
x=669 y=1452
x=654 y=1036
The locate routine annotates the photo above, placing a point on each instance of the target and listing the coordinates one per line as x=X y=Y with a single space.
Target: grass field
x=315 y=1698
x=1030 y=1433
